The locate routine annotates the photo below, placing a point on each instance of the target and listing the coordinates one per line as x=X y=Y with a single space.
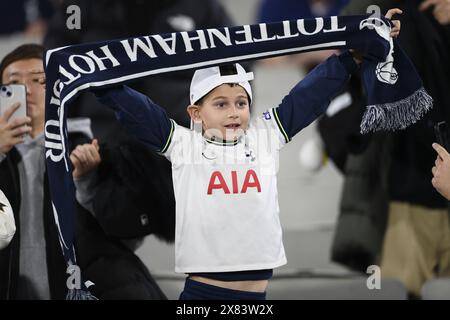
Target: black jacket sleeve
x=135 y=193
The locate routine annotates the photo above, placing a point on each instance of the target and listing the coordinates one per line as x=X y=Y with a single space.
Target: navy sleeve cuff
x=349 y=63
x=101 y=93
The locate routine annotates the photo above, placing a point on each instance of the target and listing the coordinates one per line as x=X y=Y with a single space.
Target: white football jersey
x=227 y=213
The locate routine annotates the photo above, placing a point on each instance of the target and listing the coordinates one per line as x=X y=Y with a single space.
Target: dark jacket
x=135 y=180
x=9 y=257
x=134 y=198
x=117 y=273
x=364 y=205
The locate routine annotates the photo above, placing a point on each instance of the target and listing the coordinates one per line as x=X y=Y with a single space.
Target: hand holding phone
x=11 y=94
x=13 y=119
x=442 y=134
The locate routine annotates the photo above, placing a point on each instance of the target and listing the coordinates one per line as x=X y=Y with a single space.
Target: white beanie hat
x=205 y=80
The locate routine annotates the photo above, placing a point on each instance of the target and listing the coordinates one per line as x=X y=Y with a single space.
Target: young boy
x=228 y=234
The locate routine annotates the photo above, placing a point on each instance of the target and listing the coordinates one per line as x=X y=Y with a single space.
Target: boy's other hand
x=85 y=158
x=395 y=31
x=441 y=171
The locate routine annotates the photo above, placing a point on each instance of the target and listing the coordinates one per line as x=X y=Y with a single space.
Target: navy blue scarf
x=396 y=97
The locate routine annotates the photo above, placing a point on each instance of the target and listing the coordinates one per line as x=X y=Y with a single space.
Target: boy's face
x=224 y=111
x=29 y=72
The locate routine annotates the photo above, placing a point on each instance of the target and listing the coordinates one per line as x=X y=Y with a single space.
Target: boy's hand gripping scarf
x=396 y=97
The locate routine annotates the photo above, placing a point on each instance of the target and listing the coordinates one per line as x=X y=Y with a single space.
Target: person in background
x=32 y=265
x=402 y=221
x=27 y=17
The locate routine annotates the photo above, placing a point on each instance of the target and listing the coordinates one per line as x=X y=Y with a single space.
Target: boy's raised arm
x=139 y=114
x=311 y=96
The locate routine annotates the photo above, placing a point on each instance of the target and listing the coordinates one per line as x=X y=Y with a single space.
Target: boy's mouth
x=233 y=126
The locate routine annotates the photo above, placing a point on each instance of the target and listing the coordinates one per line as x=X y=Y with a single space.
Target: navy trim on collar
x=220 y=142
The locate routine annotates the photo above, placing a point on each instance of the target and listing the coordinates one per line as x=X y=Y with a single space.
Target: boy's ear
x=193 y=111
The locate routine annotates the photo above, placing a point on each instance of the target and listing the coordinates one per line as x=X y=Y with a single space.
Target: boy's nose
x=234 y=113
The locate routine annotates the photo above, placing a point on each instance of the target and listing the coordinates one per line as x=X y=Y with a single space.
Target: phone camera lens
x=9 y=94
x=3 y=88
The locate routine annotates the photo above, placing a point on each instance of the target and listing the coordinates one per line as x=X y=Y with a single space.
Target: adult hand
x=12 y=132
x=441 y=10
x=441 y=171
x=85 y=158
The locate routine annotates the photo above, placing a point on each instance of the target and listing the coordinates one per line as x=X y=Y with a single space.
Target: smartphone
x=10 y=94
x=442 y=134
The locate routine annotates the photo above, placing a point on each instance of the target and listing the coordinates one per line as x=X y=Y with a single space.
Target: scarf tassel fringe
x=397 y=115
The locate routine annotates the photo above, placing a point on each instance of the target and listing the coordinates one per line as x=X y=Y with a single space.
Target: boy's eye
x=242 y=104
x=220 y=104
